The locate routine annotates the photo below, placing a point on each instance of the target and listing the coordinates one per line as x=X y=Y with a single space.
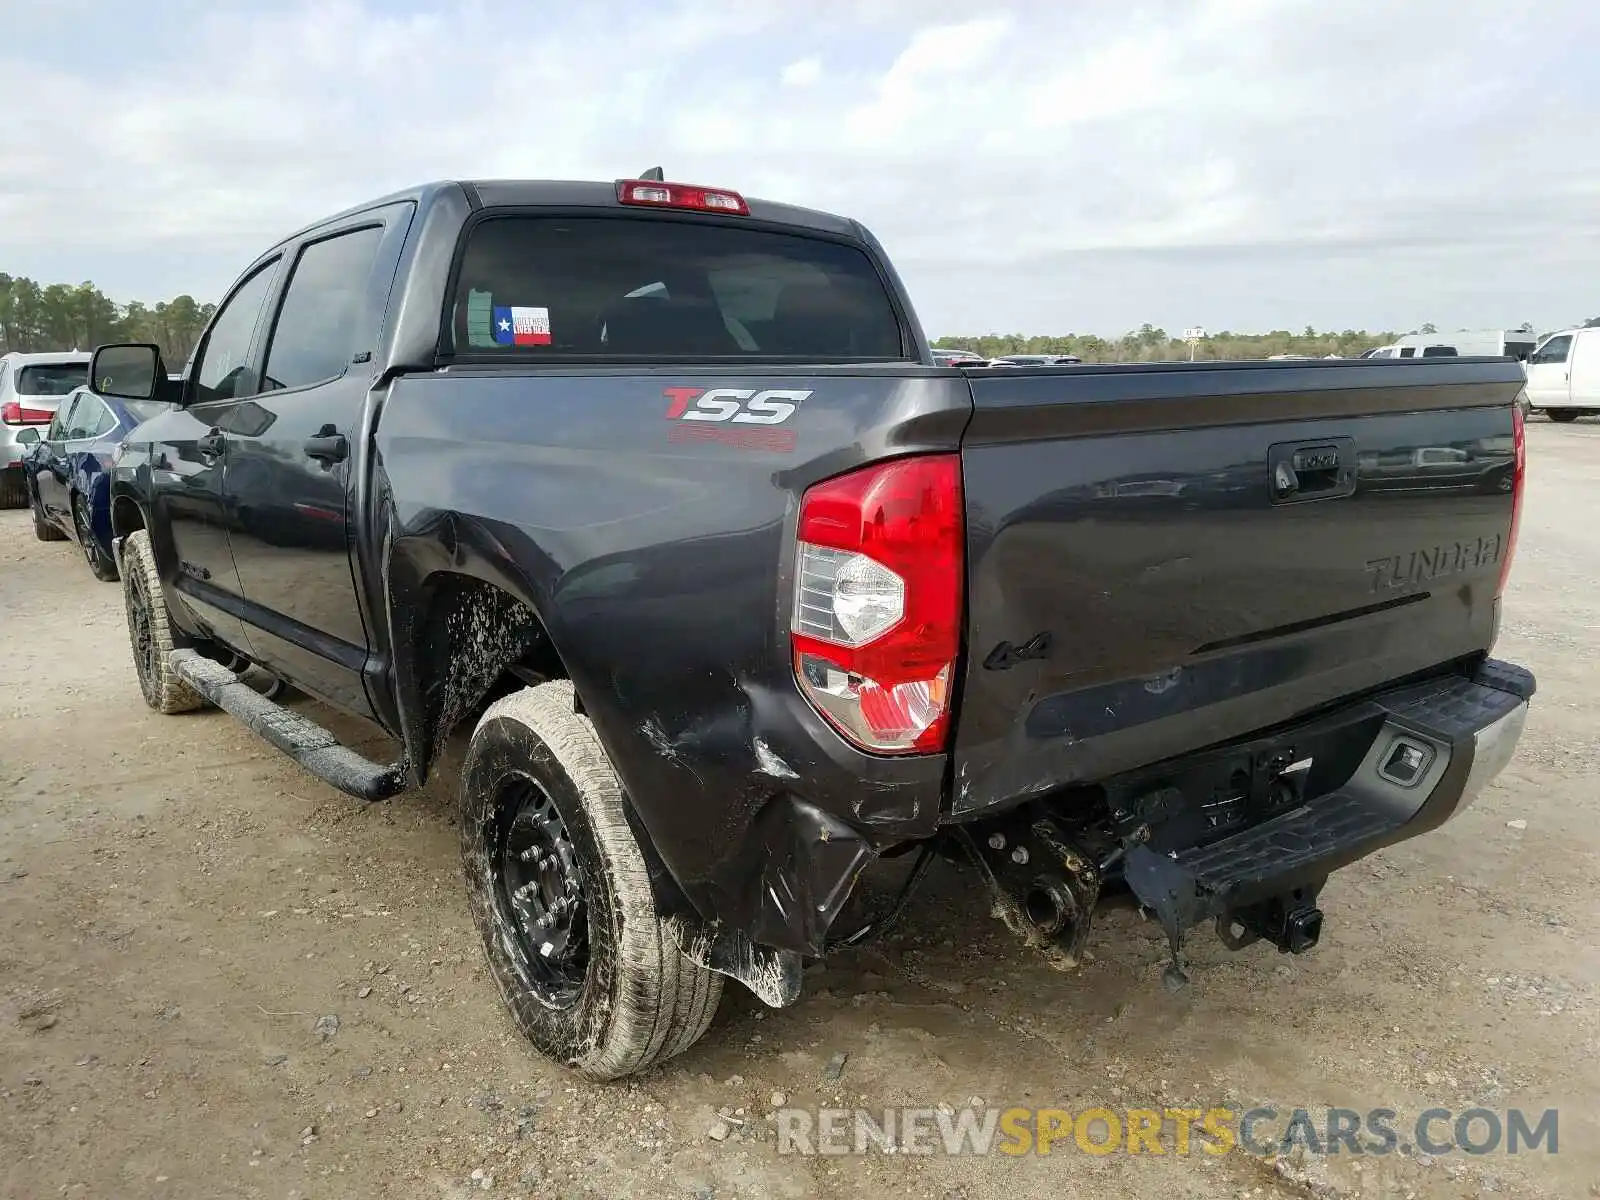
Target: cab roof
x=571 y=193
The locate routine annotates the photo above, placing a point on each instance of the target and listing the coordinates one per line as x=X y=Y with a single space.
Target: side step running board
x=308 y=743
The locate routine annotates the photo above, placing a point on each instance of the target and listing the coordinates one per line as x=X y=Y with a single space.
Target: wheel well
x=126 y=517
x=474 y=642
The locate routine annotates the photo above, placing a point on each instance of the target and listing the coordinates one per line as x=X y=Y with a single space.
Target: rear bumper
x=1450 y=736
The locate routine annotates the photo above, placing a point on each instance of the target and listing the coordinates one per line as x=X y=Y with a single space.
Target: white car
x=31 y=387
x=1564 y=374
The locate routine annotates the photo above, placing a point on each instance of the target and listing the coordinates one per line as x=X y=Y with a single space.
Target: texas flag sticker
x=519 y=326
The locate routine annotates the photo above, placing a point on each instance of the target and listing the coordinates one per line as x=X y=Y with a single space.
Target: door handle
x=1324 y=470
x=212 y=444
x=328 y=448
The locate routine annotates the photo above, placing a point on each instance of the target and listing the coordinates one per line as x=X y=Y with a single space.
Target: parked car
x=1411 y=350
x=958 y=358
x=1041 y=360
x=31 y=386
x=1564 y=374
x=736 y=617
x=68 y=472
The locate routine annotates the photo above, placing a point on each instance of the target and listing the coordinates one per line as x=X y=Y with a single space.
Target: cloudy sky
x=1034 y=167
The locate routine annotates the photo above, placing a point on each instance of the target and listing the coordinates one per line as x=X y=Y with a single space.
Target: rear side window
x=535 y=288
x=90 y=418
x=1439 y=352
x=51 y=379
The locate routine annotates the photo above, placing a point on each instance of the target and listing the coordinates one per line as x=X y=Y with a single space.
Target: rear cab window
x=536 y=288
x=51 y=379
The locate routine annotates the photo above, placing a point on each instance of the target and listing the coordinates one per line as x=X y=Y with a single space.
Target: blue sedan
x=69 y=472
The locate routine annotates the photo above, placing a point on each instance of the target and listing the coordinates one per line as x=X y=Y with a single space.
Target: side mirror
x=27 y=436
x=128 y=372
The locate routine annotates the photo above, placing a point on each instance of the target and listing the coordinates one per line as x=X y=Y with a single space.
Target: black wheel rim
x=539 y=891
x=85 y=537
x=144 y=642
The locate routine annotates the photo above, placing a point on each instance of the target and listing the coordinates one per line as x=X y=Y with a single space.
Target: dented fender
x=658 y=575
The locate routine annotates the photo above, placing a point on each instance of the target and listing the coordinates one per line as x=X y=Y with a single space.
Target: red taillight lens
x=876 y=625
x=13 y=413
x=649 y=194
x=1519 y=480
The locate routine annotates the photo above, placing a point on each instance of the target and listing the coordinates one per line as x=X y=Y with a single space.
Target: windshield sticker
x=480 y=318
x=518 y=326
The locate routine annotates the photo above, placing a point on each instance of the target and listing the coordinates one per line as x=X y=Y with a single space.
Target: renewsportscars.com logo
x=740 y=417
x=1099 y=1131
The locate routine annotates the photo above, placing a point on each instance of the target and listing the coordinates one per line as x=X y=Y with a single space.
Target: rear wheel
x=101 y=563
x=1562 y=414
x=13 y=489
x=562 y=897
x=150 y=630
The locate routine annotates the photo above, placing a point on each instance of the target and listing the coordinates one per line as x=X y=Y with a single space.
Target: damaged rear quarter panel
x=661 y=571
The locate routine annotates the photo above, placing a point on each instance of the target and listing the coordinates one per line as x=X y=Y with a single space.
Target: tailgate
x=1163 y=558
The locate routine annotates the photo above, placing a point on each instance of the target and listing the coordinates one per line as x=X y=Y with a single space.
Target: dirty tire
x=1562 y=415
x=13 y=489
x=100 y=563
x=150 y=630
x=44 y=530
x=641 y=1001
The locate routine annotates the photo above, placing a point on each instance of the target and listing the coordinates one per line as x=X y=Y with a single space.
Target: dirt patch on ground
x=220 y=978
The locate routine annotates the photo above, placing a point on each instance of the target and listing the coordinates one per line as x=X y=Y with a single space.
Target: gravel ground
x=219 y=978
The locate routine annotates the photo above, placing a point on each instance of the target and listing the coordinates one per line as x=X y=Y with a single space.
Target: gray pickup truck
x=662 y=493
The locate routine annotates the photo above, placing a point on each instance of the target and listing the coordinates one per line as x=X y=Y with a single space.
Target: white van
x=1468 y=343
x=1564 y=374
x=1490 y=343
x=1412 y=350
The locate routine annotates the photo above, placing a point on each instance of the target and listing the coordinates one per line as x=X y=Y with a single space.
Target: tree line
x=1151 y=344
x=62 y=316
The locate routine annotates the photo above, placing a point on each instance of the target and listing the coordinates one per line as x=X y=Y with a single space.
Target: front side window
x=541 y=287
x=223 y=369
x=316 y=330
x=61 y=422
x=1553 y=351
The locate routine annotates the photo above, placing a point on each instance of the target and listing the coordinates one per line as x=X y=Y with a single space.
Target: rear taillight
x=13 y=413
x=1519 y=480
x=651 y=194
x=876 y=626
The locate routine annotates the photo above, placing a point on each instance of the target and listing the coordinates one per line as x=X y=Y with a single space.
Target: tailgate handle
x=1320 y=470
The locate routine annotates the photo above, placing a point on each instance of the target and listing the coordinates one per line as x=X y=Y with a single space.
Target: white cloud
x=803 y=72
x=1240 y=163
